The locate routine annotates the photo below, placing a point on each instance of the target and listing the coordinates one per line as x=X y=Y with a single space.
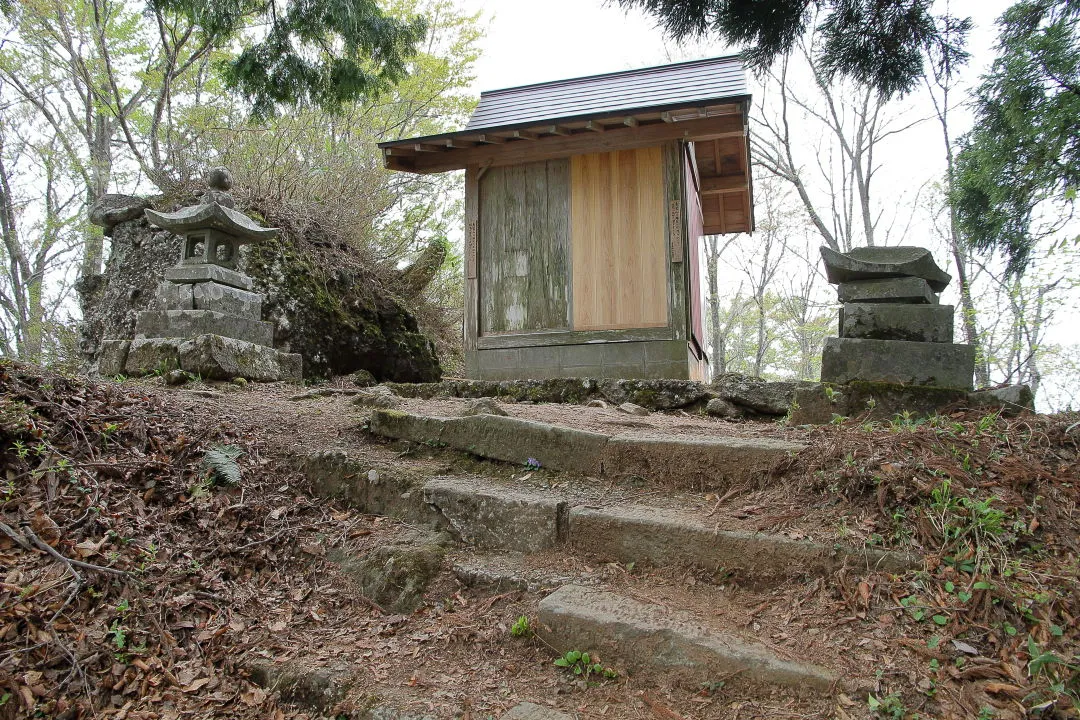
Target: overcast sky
x=569 y=38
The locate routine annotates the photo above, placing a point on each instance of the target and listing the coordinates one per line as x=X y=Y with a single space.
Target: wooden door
x=695 y=230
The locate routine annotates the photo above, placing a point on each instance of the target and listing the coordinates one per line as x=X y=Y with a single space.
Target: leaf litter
x=167 y=589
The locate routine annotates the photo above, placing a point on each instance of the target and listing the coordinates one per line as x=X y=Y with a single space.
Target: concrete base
x=212 y=357
x=845 y=360
x=888 y=321
x=647 y=359
x=190 y=323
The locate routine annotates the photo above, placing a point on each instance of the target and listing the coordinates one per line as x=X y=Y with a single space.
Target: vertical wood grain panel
x=524 y=253
x=472 y=240
x=674 y=194
x=619 y=257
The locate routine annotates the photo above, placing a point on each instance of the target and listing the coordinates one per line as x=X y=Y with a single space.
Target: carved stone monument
x=892 y=327
x=205 y=319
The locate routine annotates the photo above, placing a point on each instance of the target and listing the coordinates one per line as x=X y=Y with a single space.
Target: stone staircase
x=503 y=530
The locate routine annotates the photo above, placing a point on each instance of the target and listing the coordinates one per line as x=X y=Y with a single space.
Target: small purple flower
x=532 y=464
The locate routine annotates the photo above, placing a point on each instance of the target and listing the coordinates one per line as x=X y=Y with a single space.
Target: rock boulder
x=330 y=310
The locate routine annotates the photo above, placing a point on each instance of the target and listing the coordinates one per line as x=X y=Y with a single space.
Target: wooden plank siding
x=472 y=231
x=618 y=219
x=524 y=248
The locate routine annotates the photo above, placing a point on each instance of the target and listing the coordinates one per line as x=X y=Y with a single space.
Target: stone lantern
x=205 y=319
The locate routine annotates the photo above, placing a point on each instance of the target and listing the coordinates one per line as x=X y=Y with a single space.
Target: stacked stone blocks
x=205 y=319
x=892 y=327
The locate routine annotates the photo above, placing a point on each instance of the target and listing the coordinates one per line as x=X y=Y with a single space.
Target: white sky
x=571 y=38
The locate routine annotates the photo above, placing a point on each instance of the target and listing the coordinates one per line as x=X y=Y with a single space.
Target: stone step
x=678 y=461
x=504 y=571
x=634 y=635
x=488 y=515
x=636 y=533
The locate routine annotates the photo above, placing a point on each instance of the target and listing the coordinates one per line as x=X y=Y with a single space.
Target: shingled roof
x=666 y=87
x=699 y=99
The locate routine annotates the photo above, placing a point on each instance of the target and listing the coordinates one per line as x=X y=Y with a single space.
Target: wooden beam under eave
x=525 y=135
x=630 y=122
x=492 y=139
x=421 y=148
x=555 y=146
x=557 y=130
x=667 y=117
x=459 y=144
x=595 y=126
x=724 y=184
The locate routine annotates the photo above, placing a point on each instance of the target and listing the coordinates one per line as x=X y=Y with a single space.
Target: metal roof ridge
x=597 y=76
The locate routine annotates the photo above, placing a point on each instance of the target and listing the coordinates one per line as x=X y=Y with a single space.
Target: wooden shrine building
x=585 y=204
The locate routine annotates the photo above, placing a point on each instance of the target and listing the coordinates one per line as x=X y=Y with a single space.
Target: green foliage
x=1025 y=147
x=521 y=627
x=584 y=665
x=887 y=706
x=319 y=53
x=220 y=462
x=879 y=44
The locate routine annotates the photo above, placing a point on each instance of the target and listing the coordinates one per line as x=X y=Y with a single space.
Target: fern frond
x=220 y=461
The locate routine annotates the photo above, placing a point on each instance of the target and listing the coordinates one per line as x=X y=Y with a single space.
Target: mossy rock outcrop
x=324 y=304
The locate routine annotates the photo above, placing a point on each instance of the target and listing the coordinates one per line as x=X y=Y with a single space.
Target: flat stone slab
x=190 y=323
x=905 y=290
x=650 y=394
x=212 y=357
x=529 y=711
x=693 y=462
x=486 y=515
x=502 y=571
x=696 y=462
x=209 y=273
x=868 y=263
x=630 y=634
x=891 y=321
x=898 y=361
x=662 y=536
x=499 y=438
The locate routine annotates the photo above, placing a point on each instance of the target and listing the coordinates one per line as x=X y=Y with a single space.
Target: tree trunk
x=719 y=351
x=100 y=173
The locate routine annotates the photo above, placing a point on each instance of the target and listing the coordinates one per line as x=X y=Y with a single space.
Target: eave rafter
x=547 y=141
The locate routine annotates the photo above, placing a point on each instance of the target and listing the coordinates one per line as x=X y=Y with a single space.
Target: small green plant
x=584 y=665
x=220 y=462
x=889 y=706
x=1062 y=677
x=532 y=464
x=521 y=627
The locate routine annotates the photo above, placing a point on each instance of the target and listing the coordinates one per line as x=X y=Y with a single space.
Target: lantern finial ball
x=219 y=178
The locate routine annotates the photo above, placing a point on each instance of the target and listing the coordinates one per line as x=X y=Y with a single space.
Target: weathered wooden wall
x=619 y=251
x=524 y=248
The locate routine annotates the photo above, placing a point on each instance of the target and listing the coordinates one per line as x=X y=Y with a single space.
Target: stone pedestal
x=892 y=329
x=935 y=364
